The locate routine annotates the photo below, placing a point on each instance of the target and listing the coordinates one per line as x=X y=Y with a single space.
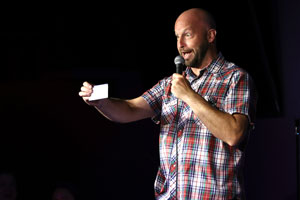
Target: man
x=204 y=114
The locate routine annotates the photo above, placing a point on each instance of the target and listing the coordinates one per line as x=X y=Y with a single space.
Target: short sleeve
x=153 y=97
x=241 y=96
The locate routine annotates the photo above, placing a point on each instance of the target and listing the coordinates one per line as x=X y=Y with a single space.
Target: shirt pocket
x=169 y=110
x=215 y=101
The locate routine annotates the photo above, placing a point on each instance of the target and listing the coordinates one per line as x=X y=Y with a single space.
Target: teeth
x=186 y=54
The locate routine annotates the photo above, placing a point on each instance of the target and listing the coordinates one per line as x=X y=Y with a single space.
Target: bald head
x=199 y=16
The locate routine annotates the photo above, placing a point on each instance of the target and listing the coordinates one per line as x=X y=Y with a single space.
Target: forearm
x=228 y=128
x=113 y=109
x=124 y=111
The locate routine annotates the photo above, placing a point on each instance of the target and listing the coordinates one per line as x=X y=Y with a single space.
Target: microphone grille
x=179 y=60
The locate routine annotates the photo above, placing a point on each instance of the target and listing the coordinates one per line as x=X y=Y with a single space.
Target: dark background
x=50 y=135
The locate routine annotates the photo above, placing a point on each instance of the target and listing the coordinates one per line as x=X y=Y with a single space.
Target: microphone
x=179 y=62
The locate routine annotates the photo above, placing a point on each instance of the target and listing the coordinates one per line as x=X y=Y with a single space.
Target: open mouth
x=186 y=54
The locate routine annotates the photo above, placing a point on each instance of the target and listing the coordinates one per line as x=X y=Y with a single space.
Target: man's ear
x=211 y=35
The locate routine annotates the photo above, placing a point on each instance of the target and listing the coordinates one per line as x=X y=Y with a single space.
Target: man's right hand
x=85 y=93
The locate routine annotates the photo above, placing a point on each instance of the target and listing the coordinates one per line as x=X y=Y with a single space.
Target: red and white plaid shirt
x=203 y=166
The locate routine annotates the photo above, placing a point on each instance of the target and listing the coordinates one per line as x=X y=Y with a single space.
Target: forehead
x=188 y=22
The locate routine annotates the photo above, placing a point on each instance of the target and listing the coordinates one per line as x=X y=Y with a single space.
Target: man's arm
x=118 y=110
x=228 y=128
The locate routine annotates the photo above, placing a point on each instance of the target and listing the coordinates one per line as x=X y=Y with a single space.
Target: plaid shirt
x=203 y=166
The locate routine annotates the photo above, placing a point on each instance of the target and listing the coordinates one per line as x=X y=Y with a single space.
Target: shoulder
x=230 y=69
x=165 y=81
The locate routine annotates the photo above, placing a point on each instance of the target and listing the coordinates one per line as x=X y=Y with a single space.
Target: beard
x=200 y=53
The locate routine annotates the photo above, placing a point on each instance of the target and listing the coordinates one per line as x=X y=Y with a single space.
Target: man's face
x=192 y=43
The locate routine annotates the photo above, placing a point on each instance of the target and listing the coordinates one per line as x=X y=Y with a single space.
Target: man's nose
x=181 y=43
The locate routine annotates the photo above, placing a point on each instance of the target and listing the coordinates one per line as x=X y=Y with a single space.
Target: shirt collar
x=214 y=67
x=216 y=64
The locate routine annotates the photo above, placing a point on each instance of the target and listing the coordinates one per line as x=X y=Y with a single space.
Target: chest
x=212 y=88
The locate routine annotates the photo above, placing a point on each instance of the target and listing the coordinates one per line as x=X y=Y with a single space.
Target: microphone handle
x=179 y=68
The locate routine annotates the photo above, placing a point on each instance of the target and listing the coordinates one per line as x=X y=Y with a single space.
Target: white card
x=99 y=92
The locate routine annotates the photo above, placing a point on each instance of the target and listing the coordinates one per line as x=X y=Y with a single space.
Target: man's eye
x=188 y=34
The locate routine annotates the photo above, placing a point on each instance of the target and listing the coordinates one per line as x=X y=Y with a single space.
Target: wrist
x=190 y=95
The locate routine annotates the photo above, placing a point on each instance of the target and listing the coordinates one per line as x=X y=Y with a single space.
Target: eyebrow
x=184 y=30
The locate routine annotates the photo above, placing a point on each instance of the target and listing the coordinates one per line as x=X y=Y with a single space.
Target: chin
x=188 y=63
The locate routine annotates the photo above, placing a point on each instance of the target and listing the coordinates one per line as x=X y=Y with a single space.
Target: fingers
x=176 y=76
x=86 y=90
x=178 y=79
x=87 y=84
